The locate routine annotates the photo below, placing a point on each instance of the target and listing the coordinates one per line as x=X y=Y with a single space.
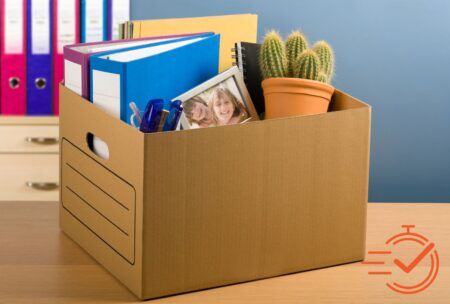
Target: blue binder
x=160 y=71
x=39 y=57
x=94 y=20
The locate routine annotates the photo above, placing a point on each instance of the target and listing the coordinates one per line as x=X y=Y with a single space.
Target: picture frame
x=221 y=100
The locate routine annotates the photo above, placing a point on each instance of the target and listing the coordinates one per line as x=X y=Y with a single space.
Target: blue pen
x=152 y=116
x=161 y=115
x=174 y=116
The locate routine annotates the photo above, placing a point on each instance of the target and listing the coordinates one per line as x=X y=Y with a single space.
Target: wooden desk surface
x=39 y=264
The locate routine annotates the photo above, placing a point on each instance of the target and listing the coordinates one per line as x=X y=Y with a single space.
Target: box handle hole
x=97 y=146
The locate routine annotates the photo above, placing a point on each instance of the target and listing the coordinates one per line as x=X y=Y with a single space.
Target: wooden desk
x=39 y=264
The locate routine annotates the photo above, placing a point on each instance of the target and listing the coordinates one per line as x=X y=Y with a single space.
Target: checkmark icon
x=416 y=261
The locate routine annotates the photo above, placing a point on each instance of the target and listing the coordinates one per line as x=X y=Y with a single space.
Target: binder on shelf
x=232 y=28
x=39 y=58
x=77 y=59
x=1 y=51
x=66 y=31
x=118 y=12
x=94 y=19
x=13 y=57
x=163 y=70
x=246 y=55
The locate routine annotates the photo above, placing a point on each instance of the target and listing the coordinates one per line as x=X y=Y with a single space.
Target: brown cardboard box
x=180 y=211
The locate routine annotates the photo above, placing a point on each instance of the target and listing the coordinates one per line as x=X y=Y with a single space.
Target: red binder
x=13 y=57
x=66 y=31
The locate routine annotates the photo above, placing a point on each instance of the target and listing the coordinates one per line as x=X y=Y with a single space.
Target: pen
x=162 y=120
x=152 y=115
x=136 y=114
x=174 y=116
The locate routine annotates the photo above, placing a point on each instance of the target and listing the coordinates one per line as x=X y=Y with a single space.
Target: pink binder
x=76 y=59
x=13 y=57
x=66 y=31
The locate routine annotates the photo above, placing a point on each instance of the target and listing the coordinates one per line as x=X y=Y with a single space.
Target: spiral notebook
x=246 y=55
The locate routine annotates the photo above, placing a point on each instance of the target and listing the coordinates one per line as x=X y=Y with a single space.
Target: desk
x=39 y=264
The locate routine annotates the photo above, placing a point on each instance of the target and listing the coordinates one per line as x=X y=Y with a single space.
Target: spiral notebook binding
x=237 y=56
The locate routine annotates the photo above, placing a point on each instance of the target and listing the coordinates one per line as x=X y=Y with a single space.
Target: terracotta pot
x=286 y=97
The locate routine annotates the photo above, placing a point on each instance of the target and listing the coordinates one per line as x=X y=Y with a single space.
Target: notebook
x=232 y=28
x=246 y=55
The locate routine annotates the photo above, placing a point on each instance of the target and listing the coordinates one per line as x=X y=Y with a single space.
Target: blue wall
x=394 y=54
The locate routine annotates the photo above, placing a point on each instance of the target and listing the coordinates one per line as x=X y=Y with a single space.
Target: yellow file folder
x=232 y=28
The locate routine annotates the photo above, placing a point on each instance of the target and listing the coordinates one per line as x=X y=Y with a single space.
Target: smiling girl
x=197 y=111
x=226 y=108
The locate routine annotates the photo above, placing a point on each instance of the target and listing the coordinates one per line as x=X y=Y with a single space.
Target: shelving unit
x=29 y=158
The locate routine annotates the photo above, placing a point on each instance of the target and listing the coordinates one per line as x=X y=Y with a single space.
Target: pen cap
x=152 y=116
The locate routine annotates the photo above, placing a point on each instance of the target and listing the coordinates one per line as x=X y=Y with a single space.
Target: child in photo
x=197 y=112
x=225 y=107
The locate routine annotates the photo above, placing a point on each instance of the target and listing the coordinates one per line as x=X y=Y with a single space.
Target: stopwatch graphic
x=424 y=254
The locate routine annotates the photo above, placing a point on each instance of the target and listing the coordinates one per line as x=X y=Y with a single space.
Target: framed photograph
x=222 y=100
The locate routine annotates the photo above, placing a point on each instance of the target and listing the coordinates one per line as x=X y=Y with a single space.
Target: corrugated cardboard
x=180 y=211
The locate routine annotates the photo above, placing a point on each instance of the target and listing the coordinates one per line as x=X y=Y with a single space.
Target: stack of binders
x=33 y=35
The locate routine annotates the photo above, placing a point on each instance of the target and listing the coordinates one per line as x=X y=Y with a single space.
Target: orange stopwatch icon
x=424 y=254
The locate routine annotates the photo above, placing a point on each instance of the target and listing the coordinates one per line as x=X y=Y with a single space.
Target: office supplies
x=39 y=58
x=246 y=55
x=94 y=19
x=163 y=70
x=13 y=57
x=118 y=12
x=176 y=108
x=155 y=116
x=232 y=28
x=130 y=30
x=122 y=31
x=135 y=118
x=66 y=23
x=161 y=115
x=127 y=30
x=77 y=59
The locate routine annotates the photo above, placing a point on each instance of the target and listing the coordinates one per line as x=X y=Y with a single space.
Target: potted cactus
x=296 y=78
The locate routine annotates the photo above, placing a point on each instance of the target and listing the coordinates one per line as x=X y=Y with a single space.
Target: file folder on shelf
x=66 y=32
x=13 y=57
x=118 y=12
x=39 y=58
x=94 y=19
x=232 y=28
x=77 y=59
x=165 y=71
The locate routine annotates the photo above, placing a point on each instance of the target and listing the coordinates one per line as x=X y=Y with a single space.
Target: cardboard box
x=180 y=211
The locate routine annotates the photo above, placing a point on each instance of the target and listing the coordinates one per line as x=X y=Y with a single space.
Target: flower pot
x=286 y=97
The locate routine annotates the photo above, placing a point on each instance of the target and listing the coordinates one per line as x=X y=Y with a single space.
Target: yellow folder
x=232 y=29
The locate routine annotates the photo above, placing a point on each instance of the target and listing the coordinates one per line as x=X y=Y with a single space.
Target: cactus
x=296 y=43
x=307 y=65
x=273 y=61
x=326 y=56
x=322 y=77
x=294 y=59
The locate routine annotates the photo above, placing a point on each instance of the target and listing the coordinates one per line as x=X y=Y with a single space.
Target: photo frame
x=221 y=100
